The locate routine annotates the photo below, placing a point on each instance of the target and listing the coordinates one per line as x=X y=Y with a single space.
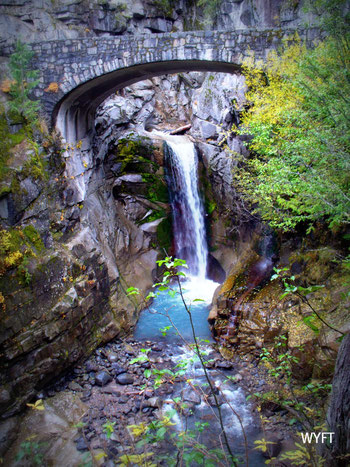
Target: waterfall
x=188 y=213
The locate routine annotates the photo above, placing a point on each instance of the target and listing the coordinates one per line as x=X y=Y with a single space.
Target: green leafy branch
x=291 y=287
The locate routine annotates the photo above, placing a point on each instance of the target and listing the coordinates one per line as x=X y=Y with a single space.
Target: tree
x=23 y=80
x=298 y=117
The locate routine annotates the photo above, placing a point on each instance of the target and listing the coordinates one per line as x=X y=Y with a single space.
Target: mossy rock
x=164 y=234
x=157 y=190
x=135 y=155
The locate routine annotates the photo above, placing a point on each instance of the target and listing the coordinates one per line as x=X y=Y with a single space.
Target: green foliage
x=164 y=233
x=165 y=330
x=165 y=7
x=210 y=7
x=156 y=188
x=299 y=122
x=263 y=444
x=108 y=428
x=132 y=291
x=280 y=358
x=303 y=455
x=133 y=153
x=23 y=109
x=210 y=206
x=31 y=452
x=331 y=15
x=304 y=403
x=186 y=443
x=17 y=246
x=155 y=214
x=290 y=286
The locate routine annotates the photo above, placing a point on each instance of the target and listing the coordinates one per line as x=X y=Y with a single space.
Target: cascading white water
x=190 y=244
x=188 y=212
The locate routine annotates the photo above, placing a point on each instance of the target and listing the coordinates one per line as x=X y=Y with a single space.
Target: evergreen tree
x=22 y=108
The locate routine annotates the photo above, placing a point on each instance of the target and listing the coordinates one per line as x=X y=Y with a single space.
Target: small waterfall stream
x=187 y=208
x=190 y=244
x=168 y=311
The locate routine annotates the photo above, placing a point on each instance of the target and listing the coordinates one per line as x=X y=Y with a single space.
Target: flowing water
x=167 y=319
x=187 y=208
x=190 y=245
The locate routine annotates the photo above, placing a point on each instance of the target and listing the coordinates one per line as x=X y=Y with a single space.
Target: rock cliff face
x=37 y=20
x=70 y=296
x=65 y=267
x=72 y=255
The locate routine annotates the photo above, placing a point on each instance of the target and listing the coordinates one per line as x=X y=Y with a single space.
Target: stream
x=112 y=388
x=167 y=320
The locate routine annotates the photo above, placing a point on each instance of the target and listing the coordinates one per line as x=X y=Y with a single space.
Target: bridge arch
x=86 y=71
x=74 y=115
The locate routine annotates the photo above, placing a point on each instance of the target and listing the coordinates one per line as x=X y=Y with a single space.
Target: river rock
x=191 y=396
x=274 y=446
x=112 y=357
x=125 y=378
x=81 y=444
x=117 y=369
x=91 y=366
x=73 y=386
x=8 y=431
x=225 y=365
x=102 y=378
x=153 y=402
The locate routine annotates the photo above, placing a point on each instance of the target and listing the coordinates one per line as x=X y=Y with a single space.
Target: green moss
x=164 y=234
x=134 y=154
x=164 y=7
x=8 y=141
x=35 y=167
x=4 y=190
x=33 y=237
x=193 y=25
x=155 y=214
x=17 y=247
x=210 y=206
x=156 y=188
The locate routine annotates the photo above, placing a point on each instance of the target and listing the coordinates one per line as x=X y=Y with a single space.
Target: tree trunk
x=339 y=409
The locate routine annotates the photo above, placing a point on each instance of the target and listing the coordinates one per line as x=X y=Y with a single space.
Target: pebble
x=192 y=397
x=117 y=369
x=125 y=378
x=112 y=357
x=102 y=378
x=153 y=402
x=85 y=396
x=225 y=365
x=91 y=366
x=73 y=386
x=81 y=444
x=120 y=395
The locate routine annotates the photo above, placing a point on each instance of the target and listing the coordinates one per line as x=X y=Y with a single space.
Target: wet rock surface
x=129 y=398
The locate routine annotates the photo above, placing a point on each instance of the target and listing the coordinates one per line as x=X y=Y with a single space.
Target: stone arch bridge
x=88 y=70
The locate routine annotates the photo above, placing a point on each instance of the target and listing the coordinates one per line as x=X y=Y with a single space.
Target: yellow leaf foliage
x=52 y=87
x=5 y=85
x=38 y=405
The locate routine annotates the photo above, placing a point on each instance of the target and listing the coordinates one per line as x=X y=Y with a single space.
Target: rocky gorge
x=67 y=292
